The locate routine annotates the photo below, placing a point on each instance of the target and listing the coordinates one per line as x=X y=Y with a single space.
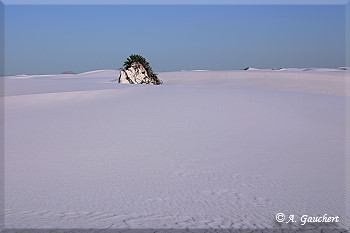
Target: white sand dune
x=214 y=149
x=320 y=81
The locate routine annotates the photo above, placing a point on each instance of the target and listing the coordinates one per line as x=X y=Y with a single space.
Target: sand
x=208 y=149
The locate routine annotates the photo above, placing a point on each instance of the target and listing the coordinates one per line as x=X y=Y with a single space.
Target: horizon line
x=199 y=70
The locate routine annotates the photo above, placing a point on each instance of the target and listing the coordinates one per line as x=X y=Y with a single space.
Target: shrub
x=138 y=58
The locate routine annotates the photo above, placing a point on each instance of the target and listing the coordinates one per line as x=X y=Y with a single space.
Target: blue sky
x=43 y=39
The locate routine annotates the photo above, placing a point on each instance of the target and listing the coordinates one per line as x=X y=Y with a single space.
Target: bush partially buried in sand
x=138 y=71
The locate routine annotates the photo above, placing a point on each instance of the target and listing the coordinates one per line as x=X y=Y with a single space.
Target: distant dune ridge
x=207 y=150
x=309 y=80
x=68 y=72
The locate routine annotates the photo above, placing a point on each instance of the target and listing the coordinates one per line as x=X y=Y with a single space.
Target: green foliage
x=138 y=58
